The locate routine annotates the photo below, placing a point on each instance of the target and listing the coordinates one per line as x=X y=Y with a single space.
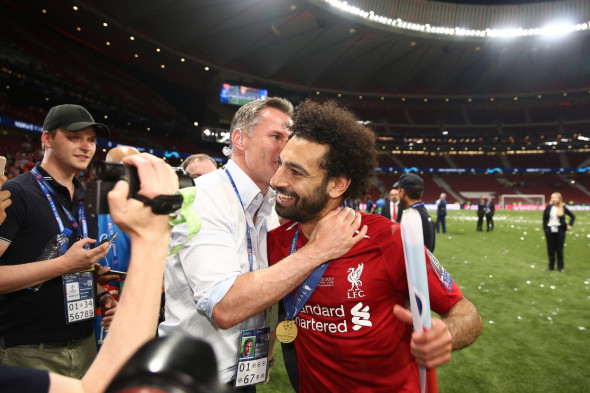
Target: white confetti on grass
x=581 y=328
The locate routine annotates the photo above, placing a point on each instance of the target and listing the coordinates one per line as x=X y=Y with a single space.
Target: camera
x=108 y=174
x=171 y=364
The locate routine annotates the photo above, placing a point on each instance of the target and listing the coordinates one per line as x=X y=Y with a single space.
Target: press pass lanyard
x=417 y=204
x=49 y=192
x=292 y=307
x=250 y=258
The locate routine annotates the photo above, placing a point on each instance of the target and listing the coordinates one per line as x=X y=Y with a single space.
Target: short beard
x=307 y=209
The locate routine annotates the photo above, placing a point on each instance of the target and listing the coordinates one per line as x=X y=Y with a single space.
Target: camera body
x=108 y=174
x=171 y=364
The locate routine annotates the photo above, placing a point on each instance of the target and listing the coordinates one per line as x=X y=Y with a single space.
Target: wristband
x=162 y=204
x=100 y=295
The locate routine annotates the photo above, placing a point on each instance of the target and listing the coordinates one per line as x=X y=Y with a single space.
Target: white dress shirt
x=205 y=268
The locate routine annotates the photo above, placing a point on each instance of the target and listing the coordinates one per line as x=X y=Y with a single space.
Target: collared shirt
x=205 y=268
x=393 y=210
x=29 y=226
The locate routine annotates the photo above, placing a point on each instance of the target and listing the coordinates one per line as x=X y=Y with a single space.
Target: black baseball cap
x=73 y=118
x=408 y=181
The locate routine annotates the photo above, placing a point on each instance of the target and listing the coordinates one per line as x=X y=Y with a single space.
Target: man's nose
x=277 y=179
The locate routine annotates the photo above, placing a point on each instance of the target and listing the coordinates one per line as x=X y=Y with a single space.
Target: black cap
x=73 y=118
x=408 y=181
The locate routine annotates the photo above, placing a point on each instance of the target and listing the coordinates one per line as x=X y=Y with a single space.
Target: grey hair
x=247 y=117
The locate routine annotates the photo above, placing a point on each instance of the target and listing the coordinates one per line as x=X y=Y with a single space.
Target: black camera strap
x=162 y=204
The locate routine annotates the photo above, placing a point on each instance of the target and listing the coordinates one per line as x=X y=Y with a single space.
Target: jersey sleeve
x=444 y=292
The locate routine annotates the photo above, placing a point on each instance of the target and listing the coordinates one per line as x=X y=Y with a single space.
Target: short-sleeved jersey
x=349 y=339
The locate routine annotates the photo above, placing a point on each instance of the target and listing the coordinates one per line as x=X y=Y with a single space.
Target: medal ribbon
x=49 y=192
x=292 y=307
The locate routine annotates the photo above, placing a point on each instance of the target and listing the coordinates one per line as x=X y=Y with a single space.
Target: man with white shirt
x=391 y=209
x=218 y=285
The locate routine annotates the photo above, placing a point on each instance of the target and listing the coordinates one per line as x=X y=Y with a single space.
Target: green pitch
x=536 y=335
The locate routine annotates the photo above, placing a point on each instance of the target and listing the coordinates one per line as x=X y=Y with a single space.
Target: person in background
x=441 y=213
x=391 y=209
x=198 y=165
x=137 y=314
x=490 y=210
x=380 y=203
x=555 y=227
x=47 y=287
x=411 y=188
x=370 y=204
x=481 y=212
x=117 y=258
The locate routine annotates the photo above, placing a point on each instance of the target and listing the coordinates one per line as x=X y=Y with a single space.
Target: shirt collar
x=251 y=196
x=58 y=187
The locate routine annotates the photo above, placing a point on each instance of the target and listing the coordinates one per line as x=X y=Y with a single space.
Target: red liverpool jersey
x=349 y=340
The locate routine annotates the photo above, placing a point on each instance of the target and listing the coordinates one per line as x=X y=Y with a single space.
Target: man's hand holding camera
x=135 y=217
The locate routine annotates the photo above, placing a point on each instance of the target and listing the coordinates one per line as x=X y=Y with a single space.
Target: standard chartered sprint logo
x=360 y=317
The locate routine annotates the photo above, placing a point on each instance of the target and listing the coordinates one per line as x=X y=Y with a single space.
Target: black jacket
x=562 y=223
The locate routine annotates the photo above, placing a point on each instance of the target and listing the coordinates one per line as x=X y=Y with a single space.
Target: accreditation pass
x=79 y=296
x=252 y=356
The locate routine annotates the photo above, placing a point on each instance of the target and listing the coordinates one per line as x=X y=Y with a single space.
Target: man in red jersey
x=353 y=331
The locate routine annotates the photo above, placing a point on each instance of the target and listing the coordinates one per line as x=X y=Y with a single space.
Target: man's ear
x=46 y=139
x=236 y=139
x=338 y=186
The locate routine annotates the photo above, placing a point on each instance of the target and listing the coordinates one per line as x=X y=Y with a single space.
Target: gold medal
x=286 y=331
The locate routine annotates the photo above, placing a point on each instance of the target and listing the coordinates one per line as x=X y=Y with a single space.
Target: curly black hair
x=351 y=150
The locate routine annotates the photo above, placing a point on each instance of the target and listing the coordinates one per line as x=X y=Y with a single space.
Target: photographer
x=136 y=319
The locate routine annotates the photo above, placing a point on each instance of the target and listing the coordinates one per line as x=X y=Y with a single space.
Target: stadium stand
x=39 y=75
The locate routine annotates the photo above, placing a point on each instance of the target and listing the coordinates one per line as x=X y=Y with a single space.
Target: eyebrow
x=295 y=165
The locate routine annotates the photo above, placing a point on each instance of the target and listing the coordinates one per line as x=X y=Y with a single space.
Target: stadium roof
x=313 y=45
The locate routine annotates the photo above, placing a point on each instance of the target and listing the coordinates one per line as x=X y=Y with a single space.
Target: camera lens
x=184 y=179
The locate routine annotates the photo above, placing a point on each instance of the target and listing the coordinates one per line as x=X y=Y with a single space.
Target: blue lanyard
x=417 y=204
x=49 y=192
x=306 y=289
x=111 y=232
x=250 y=258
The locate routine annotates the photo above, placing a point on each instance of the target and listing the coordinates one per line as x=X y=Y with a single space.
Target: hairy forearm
x=16 y=277
x=256 y=291
x=464 y=323
x=136 y=319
